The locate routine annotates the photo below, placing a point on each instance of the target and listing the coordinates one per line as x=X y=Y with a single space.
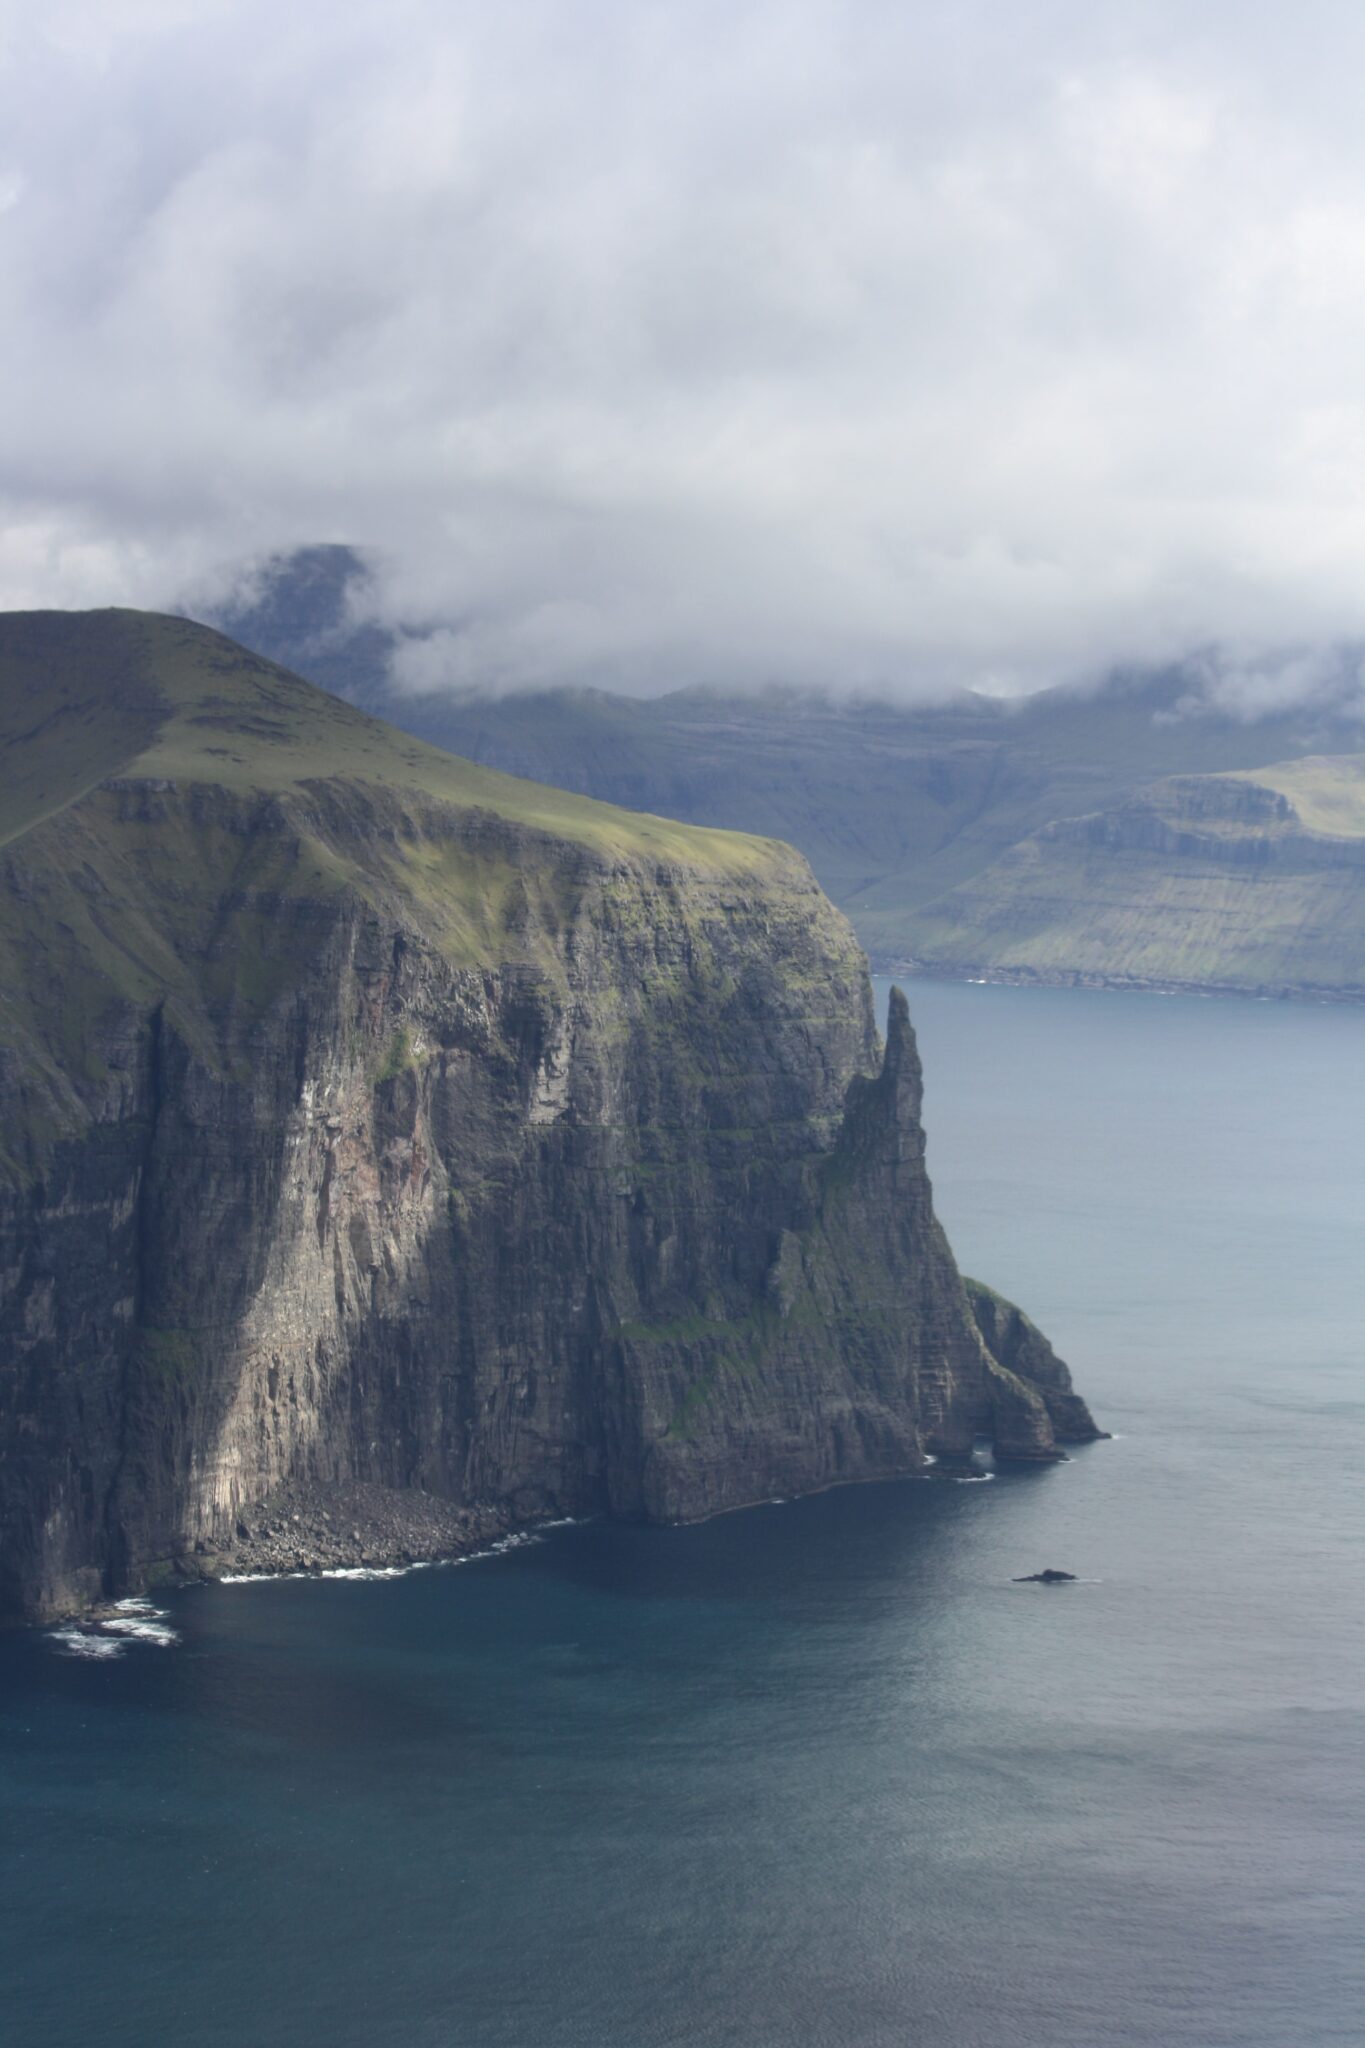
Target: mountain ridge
x=897 y=808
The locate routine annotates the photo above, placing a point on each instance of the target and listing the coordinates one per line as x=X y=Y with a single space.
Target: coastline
x=362 y=1532
x=314 y=1529
x=1118 y=984
x=359 y=1530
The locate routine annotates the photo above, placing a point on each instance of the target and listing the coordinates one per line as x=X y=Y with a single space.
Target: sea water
x=817 y=1775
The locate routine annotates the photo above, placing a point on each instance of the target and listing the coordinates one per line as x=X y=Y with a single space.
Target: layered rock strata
x=633 y=1219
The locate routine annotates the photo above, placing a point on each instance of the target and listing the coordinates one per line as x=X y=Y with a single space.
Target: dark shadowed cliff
x=370 y=1117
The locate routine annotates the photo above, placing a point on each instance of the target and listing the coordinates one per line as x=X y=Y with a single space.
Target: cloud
x=1249 y=683
x=852 y=344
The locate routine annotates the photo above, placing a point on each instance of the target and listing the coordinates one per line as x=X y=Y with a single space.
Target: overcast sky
x=865 y=344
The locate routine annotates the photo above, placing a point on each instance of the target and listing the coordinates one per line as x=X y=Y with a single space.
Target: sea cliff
x=374 y=1121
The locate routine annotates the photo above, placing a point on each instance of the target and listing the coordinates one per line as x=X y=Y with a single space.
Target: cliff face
x=620 y=1208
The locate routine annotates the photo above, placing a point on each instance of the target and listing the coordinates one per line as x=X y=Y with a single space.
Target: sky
x=876 y=346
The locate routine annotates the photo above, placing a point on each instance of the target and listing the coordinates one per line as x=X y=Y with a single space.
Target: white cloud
x=854 y=343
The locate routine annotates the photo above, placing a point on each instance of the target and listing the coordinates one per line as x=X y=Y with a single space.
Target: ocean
x=819 y=1774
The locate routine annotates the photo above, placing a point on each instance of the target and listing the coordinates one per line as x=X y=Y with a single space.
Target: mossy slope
x=175 y=812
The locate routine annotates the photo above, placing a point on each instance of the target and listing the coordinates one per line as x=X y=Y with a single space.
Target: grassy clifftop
x=181 y=821
x=87 y=696
x=1325 y=791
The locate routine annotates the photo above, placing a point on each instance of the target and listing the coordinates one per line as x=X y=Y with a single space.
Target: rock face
x=627 y=1215
x=1019 y=1346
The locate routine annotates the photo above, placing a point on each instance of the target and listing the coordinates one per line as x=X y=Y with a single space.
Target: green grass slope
x=1327 y=792
x=84 y=696
x=178 y=815
x=1235 y=881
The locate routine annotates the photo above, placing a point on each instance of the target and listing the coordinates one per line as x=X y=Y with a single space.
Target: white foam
x=340 y=1571
x=260 y=1578
x=364 y=1571
x=79 y=1642
x=971 y=1478
x=108 y=1634
x=139 y=1630
x=516 y=1541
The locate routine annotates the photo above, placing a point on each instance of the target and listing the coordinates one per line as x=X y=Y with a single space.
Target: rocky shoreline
x=313 y=1528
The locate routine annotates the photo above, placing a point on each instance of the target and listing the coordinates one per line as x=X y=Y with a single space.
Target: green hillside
x=1326 y=791
x=175 y=811
x=1248 y=882
x=84 y=696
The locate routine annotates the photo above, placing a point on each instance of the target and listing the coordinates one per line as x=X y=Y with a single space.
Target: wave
x=971 y=1478
x=363 y=1571
x=518 y=1540
x=79 y=1642
x=141 y=1631
x=127 y=1622
x=109 y=1633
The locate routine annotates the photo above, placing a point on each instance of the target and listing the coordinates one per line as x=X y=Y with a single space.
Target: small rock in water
x=1047 y=1578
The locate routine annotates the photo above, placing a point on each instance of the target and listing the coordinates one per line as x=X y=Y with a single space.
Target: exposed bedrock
x=637 y=1223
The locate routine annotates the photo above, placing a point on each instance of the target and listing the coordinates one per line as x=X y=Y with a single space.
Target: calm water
x=816 y=1774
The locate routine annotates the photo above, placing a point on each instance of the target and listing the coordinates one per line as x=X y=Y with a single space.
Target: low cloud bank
x=868 y=348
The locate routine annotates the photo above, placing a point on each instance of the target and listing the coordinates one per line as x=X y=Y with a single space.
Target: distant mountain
x=898 y=809
x=1215 y=882
x=304 y=610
